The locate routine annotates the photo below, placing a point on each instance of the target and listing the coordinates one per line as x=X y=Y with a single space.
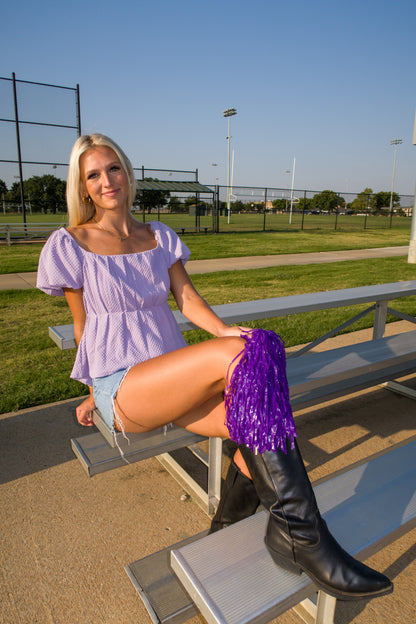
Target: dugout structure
x=189 y=187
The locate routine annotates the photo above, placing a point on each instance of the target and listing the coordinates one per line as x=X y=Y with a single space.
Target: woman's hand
x=235 y=331
x=84 y=412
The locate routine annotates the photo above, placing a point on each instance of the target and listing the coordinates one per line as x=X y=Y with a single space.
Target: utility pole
x=412 y=244
x=395 y=142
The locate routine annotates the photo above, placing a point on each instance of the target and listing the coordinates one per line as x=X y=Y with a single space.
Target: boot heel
x=284 y=562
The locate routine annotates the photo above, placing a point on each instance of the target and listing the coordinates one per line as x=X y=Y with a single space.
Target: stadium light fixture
x=229 y=112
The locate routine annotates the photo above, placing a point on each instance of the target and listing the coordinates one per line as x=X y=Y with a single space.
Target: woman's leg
x=239 y=499
x=185 y=387
x=297 y=537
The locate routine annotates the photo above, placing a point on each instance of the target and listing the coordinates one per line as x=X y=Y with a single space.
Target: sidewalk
x=19 y=281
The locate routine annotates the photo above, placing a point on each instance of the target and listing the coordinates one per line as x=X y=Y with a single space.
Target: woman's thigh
x=185 y=387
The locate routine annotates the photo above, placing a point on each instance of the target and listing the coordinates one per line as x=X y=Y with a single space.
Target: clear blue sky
x=328 y=82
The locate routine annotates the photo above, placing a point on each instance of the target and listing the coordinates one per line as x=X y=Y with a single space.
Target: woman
x=116 y=274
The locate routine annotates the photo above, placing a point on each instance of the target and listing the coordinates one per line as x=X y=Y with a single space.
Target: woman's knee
x=233 y=347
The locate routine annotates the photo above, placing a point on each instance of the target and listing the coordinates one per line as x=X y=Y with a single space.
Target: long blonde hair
x=78 y=211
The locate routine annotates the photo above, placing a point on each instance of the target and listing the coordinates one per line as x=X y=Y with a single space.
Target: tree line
x=331 y=202
x=326 y=202
x=47 y=194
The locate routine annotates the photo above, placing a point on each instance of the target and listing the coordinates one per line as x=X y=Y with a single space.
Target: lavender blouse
x=125 y=298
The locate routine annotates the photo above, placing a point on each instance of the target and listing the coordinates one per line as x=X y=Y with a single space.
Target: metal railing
x=25 y=233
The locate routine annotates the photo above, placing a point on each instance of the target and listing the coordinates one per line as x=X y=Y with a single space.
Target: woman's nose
x=106 y=179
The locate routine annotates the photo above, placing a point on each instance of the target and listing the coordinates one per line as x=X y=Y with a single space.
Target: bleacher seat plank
x=164 y=596
x=329 y=373
x=240 y=312
x=97 y=456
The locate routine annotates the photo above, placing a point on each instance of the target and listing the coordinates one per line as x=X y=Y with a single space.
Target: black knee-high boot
x=297 y=537
x=239 y=499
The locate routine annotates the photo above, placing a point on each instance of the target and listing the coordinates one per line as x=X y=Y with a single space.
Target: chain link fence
x=41 y=115
x=277 y=209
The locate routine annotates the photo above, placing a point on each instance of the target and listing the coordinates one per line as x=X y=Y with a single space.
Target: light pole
x=411 y=258
x=395 y=142
x=229 y=112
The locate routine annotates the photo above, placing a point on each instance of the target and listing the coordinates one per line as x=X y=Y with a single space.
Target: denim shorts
x=105 y=390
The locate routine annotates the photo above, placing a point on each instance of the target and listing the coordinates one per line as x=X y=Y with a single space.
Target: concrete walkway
x=19 y=281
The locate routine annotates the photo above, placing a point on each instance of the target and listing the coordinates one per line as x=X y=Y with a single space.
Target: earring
x=86 y=199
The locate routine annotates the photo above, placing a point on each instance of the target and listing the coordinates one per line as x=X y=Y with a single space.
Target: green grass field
x=247 y=222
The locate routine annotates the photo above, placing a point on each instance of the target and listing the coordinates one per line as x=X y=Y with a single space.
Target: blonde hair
x=78 y=211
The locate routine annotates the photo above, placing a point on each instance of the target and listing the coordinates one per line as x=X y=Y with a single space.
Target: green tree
x=305 y=204
x=13 y=194
x=238 y=206
x=175 y=204
x=381 y=202
x=42 y=193
x=327 y=201
x=363 y=201
x=279 y=205
x=13 y=197
x=152 y=200
x=3 y=188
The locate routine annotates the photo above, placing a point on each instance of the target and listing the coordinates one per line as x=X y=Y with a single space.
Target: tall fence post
x=215 y=210
x=412 y=243
x=366 y=211
x=78 y=105
x=336 y=213
x=19 y=151
x=303 y=210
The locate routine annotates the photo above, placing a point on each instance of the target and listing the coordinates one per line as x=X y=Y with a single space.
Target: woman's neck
x=114 y=222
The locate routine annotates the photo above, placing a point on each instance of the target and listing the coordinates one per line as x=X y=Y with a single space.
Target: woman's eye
x=115 y=168
x=91 y=176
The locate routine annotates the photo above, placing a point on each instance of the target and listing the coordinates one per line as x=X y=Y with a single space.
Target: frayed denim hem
x=105 y=390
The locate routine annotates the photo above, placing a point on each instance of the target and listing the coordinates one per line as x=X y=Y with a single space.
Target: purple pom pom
x=258 y=411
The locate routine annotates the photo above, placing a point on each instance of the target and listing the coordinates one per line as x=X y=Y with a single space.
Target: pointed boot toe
x=316 y=552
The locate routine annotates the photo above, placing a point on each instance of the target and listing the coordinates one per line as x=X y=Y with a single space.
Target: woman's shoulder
x=60 y=263
x=162 y=229
x=170 y=243
x=62 y=243
x=62 y=233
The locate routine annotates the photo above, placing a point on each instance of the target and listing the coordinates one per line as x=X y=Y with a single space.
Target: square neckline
x=130 y=253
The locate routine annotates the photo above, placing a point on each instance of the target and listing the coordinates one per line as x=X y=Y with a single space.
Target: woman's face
x=104 y=179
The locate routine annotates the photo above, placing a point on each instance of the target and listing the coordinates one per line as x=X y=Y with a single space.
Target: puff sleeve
x=172 y=246
x=60 y=264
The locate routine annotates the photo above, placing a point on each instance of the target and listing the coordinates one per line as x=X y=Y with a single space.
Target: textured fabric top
x=125 y=298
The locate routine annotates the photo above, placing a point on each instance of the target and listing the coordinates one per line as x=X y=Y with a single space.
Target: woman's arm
x=76 y=305
x=75 y=301
x=194 y=307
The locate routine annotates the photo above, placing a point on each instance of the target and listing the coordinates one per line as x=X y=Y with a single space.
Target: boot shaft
x=282 y=482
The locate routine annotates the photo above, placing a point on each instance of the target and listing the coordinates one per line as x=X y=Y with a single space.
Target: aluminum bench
x=313 y=377
x=229 y=576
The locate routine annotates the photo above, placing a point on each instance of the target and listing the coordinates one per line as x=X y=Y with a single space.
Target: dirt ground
x=66 y=538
